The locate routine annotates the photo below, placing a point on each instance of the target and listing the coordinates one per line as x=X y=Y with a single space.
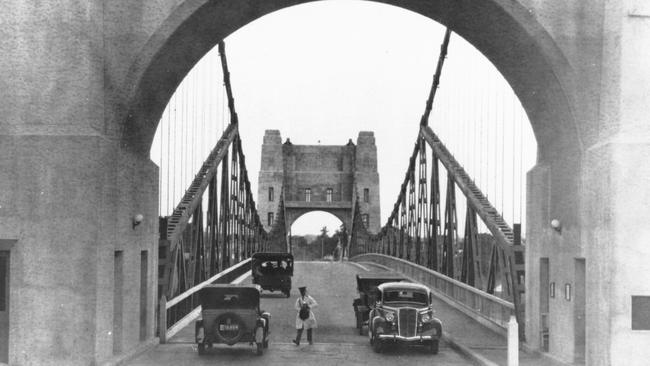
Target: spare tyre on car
x=231 y=314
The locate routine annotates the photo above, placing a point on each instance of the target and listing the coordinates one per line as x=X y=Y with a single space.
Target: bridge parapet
x=489 y=310
x=177 y=313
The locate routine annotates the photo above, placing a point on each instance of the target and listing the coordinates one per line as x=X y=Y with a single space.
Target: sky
x=321 y=72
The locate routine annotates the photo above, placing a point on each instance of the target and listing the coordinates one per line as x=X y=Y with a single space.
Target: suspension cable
x=436 y=78
x=521 y=164
x=226 y=79
x=514 y=153
x=503 y=146
x=175 y=145
x=170 y=163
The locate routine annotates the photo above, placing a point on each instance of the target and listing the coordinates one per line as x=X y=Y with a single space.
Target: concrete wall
x=271 y=175
x=318 y=168
x=87 y=81
x=366 y=176
x=68 y=201
x=68 y=188
x=347 y=170
x=596 y=193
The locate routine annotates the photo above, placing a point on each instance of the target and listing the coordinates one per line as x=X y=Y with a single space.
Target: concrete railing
x=177 y=313
x=487 y=309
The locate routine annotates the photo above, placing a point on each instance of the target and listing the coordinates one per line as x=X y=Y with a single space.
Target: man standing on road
x=305 y=318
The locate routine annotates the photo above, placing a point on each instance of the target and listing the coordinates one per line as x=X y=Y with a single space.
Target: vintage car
x=273 y=271
x=367 y=287
x=403 y=313
x=231 y=314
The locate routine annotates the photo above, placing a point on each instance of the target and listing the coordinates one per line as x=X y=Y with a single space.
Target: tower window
x=366 y=195
x=328 y=195
x=271 y=195
x=270 y=218
x=308 y=195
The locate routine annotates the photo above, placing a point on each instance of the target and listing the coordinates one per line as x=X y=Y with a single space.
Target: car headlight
x=426 y=316
x=389 y=316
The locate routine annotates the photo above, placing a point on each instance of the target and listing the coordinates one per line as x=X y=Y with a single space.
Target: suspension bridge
x=213 y=245
x=102 y=252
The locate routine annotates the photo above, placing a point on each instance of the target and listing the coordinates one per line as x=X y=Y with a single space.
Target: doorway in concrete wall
x=118 y=283
x=545 y=291
x=4 y=306
x=144 y=291
x=579 y=322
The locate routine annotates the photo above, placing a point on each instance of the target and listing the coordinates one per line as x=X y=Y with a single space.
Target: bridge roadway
x=336 y=340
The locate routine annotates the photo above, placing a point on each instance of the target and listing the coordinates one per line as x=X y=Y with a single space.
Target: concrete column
x=69 y=200
x=68 y=190
x=617 y=194
x=513 y=342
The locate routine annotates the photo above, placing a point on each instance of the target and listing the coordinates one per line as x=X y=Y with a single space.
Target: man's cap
x=303 y=288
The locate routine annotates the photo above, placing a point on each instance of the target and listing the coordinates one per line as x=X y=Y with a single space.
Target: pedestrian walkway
x=476 y=341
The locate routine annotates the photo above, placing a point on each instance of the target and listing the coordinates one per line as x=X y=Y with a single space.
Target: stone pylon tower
x=325 y=178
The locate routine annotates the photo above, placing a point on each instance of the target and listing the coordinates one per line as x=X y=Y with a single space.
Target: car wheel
x=433 y=347
x=201 y=348
x=376 y=344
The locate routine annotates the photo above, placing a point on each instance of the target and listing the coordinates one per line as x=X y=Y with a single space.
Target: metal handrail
x=209 y=281
x=478 y=303
x=188 y=302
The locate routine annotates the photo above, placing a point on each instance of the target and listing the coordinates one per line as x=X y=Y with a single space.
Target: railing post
x=162 y=320
x=513 y=341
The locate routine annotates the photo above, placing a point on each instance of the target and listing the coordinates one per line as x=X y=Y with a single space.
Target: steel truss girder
x=403 y=225
x=501 y=231
x=190 y=252
x=471 y=266
x=233 y=230
x=402 y=228
x=451 y=230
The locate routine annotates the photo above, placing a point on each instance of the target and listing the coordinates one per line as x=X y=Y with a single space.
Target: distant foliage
x=322 y=247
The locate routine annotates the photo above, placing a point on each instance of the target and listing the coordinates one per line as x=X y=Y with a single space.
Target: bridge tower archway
x=327 y=178
x=503 y=31
x=308 y=222
x=567 y=62
x=550 y=69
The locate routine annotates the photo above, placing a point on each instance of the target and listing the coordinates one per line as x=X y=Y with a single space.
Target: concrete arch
x=293 y=215
x=504 y=31
x=85 y=77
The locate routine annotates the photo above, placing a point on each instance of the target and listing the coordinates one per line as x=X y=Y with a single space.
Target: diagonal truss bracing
x=510 y=251
x=196 y=244
x=414 y=230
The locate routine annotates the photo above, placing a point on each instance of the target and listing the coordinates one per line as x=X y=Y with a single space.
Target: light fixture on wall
x=567 y=292
x=556 y=225
x=137 y=219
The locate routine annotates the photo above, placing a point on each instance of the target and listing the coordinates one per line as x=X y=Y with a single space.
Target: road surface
x=336 y=340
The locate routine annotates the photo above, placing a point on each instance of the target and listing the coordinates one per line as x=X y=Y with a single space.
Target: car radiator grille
x=407 y=322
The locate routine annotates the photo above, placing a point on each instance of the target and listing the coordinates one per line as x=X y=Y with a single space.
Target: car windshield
x=410 y=296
